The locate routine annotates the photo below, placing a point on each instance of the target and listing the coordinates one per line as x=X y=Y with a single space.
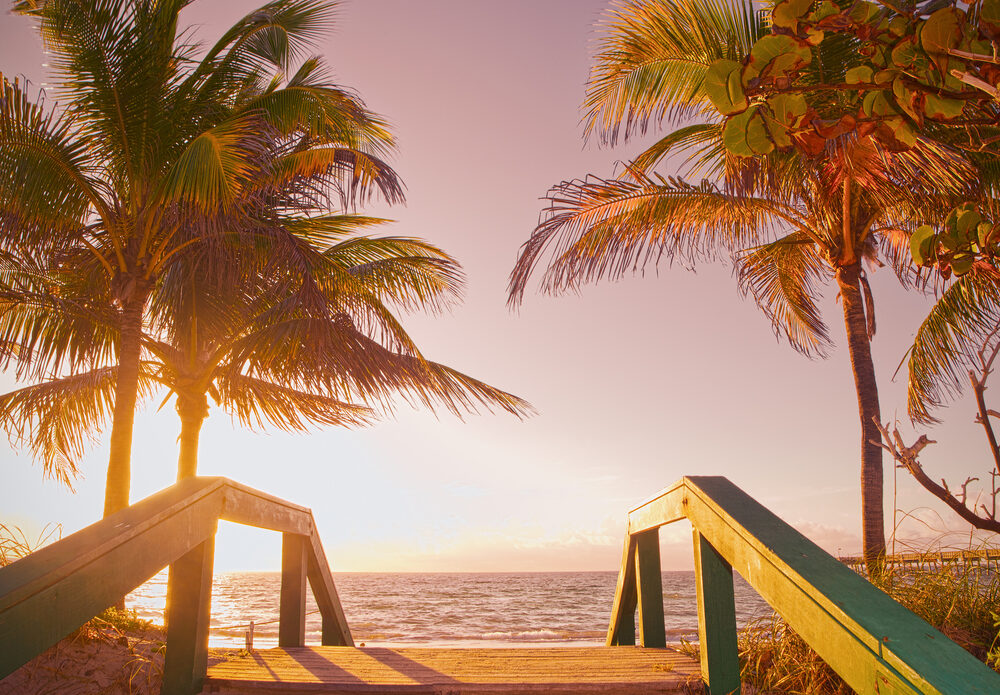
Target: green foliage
x=123 y=620
x=910 y=70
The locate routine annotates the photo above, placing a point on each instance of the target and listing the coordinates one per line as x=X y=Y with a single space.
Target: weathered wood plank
x=244 y=505
x=621 y=628
x=665 y=507
x=292 y=608
x=189 y=603
x=870 y=640
x=720 y=661
x=624 y=670
x=649 y=587
x=336 y=632
x=64 y=593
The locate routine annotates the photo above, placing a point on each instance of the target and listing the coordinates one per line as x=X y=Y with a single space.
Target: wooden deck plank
x=626 y=670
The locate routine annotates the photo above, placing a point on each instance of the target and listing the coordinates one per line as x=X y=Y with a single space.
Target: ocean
x=446 y=609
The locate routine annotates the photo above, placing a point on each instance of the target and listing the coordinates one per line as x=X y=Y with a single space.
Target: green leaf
x=746 y=134
x=989 y=15
x=859 y=75
x=968 y=221
x=787 y=13
x=724 y=88
x=788 y=108
x=962 y=263
x=899 y=25
x=863 y=12
x=940 y=107
x=922 y=244
x=775 y=55
x=939 y=32
x=823 y=10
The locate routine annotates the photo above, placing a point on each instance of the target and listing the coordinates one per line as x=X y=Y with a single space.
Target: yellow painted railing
x=875 y=644
x=58 y=588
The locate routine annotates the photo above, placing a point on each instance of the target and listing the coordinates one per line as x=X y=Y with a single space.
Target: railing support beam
x=189 y=602
x=720 y=663
x=621 y=630
x=292 y=612
x=649 y=586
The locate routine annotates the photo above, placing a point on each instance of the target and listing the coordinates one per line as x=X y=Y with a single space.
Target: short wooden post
x=189 y=603
x=720 y=662
x=292 y=612
x=621 y=630
x=649 y=585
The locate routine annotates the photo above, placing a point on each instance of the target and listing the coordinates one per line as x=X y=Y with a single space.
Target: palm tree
x=149 y=141
x=789 y=224
x=285 y=351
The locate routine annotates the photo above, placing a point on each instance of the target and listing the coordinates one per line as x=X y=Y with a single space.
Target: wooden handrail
x=875 y=644
x=56 y=589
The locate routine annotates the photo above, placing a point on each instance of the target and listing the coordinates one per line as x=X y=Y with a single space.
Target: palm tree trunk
x=192 y=409
x=872 y=519
x=116 y=491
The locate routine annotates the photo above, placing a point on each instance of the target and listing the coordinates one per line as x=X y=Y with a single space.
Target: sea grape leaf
x=859 y=75
x=863 y=12
x=787 y=13
x=746 y=135
x=724 y=88
x=939 y=32
x=904 y=99
x=961 y=263
x=940 y=107
x=788 y=108
x=989 y=17
x=899 y=25
x=922 y=244
x=904 y=53
x=968 y=221
x=775 y=55
x=823 y=10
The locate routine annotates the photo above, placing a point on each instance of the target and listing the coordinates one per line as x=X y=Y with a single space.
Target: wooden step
x=444 y=671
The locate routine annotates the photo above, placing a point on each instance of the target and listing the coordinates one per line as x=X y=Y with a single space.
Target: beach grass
x=962 y=601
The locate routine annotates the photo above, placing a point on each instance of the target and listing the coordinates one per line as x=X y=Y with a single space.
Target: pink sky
x=636 y=383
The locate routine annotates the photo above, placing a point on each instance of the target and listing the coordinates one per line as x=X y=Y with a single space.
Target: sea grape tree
x=891 y=70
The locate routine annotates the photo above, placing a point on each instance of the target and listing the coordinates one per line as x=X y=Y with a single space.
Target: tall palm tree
x=788 y=223
x=271 y=350
x=151 y=133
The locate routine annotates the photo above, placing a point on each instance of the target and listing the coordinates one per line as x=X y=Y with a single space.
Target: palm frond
x=962 y=322
x=596 y=228
x=59 y=418
x=257 y=402
x=652 y=59
x=783 y=277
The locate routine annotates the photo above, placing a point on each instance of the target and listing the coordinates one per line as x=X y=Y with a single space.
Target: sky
x=636 y=383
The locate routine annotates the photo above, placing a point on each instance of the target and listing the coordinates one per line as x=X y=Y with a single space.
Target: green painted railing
x=58 y=588
x=875 y=644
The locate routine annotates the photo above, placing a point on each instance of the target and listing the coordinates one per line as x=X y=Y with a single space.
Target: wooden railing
x=58 y=588
x=875 y=644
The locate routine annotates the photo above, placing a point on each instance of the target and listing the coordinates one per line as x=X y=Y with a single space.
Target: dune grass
x=962 y=601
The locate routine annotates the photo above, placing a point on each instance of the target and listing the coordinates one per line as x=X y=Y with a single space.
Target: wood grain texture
x=455 y=671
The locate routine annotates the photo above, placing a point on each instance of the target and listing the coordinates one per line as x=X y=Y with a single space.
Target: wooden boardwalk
x=443 y=671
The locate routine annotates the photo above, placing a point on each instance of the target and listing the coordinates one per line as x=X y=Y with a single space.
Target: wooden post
x=649 y=585
x=189 y=603
x=292 y=612
x=720 y=662
x=621 y=630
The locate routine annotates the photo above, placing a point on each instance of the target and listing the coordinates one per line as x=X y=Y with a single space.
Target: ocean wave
x=541 y=635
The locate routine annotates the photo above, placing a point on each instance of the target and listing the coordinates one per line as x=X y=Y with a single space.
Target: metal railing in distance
x=874 y=643
x=55 y=590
